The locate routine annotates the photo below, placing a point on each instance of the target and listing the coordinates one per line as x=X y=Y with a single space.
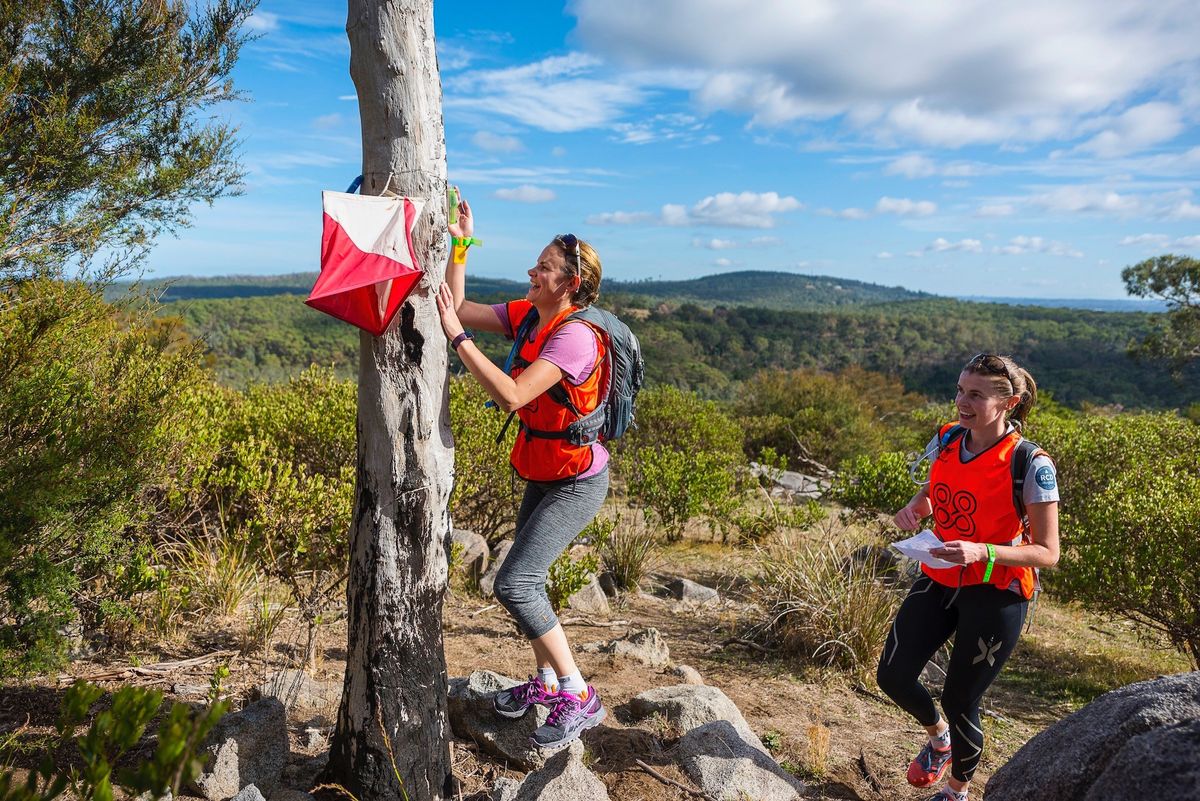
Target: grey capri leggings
x=552 y=514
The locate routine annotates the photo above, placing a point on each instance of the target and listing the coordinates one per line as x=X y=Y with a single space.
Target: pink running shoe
x=515 y=701
x=570 y=717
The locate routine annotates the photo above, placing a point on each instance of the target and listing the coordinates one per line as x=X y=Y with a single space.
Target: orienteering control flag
x=368 y=266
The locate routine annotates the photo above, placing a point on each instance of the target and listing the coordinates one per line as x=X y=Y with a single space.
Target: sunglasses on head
x=991 y=363
x=571 y=242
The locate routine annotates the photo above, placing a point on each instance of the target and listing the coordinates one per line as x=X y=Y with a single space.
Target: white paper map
x=918 y=547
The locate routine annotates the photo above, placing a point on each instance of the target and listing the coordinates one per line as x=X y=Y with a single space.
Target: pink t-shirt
x=572 y=349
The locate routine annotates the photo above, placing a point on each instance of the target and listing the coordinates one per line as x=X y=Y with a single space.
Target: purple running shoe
x=569 y=717
x=516 y=701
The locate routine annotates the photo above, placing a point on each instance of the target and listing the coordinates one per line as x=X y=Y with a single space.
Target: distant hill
x=1091 y=304
x=768 y=290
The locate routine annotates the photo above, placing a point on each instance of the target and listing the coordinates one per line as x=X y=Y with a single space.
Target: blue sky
x=971 y=148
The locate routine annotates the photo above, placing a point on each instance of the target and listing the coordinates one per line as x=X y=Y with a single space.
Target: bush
x=828 y=418
x=684 y=459
x=177 y=758
x=824 y=607
x=88 y=416
x=1130 y=515
x=568 y=576
x=875 y=484
x=484 y=499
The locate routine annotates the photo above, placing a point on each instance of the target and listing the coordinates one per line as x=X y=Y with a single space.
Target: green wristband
x=987 y=574
x=465 y=241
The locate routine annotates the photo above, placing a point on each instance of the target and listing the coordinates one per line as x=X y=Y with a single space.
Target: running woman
x=996 y=546
x=555 y=379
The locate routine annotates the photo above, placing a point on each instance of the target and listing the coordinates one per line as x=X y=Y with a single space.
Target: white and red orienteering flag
x=368 y=265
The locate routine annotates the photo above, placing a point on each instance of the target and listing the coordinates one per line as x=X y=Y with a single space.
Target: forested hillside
x=1080 y=355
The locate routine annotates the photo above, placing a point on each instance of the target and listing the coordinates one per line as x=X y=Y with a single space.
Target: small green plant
x=773 y=740
x=177 y=758
x=568 y=576
x=268 y=611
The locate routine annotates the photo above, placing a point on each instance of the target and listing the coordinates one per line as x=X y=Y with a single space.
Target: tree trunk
x=391 y=736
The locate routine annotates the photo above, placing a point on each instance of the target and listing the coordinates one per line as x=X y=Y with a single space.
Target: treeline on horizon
x=1079 y=357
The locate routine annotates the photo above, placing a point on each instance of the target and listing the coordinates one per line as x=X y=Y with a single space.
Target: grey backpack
x=626 y=372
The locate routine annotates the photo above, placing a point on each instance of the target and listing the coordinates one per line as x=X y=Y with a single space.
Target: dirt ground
x=841 y=738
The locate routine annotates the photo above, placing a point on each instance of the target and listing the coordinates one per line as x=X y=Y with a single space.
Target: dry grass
x=822 y=606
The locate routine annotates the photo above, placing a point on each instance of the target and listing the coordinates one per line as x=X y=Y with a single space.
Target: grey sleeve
x=1041 y=481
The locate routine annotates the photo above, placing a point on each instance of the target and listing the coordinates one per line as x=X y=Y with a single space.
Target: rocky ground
x=683 y=691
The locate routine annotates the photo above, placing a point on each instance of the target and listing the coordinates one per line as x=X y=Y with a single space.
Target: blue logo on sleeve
x=1045 y=478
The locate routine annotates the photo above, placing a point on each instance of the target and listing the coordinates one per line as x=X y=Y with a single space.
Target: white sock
x=950 y=793
x=549 y=678
x=573 y=684
x=941 y=741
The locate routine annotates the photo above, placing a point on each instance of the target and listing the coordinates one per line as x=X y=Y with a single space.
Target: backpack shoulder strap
x=950 y=434
x=1023 y=456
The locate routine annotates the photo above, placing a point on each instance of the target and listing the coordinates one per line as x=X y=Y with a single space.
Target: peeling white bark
x=395 y=673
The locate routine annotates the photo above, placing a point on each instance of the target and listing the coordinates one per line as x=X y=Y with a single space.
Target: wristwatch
x=458 y=340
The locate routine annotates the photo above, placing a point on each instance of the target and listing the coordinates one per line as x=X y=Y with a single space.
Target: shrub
x=875 y=484
x=87 y=418
x=1131 y=511
x=823 y=607
x=568 y=576
x=176 y=760
x=828 y=418
x=684 y=459
x=484 y=499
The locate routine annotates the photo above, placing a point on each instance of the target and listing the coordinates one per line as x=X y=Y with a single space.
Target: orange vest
x=534 y=456
x=974 y=501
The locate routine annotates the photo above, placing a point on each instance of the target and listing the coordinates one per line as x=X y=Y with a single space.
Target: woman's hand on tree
x=465 y=226
x=961 y=552
x=445 y=303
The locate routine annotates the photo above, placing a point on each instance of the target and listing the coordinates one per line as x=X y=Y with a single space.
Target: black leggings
x=985 y=622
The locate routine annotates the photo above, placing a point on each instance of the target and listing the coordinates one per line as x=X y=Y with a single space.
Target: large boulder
x=247 y=747
x=688 y=706
x=689 y=591
x=1140 y=741
x=645 y=646
x=301 y=693
x=487 y=583
x=475 y=554
x=473 y=717
x=590 y=600
x=728 y=767
x=562 y=778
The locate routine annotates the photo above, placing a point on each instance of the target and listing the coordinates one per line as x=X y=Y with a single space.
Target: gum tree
x=391 y=736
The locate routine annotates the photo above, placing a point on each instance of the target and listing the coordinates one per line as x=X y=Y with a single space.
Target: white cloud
x=1087 y=200
x=1161 y=242
x=348 y=97
x=496 y=143
x=729 y=244
x=327 y=121
x=740 y=210
x=554 y=94
x=621 y=218
x=905 y=207
x=1185 y=210
x=925 y=70
x=1138 y=128
x=1155 y=241
x=723 y=262
x=526 y=193
x=561 y=176
x=262 y=22
x=883 y=254
x=996 y=210
x=558 y=152
x=942 y=245
x=1023 y=245
x=679 y=128
x=911 y=166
